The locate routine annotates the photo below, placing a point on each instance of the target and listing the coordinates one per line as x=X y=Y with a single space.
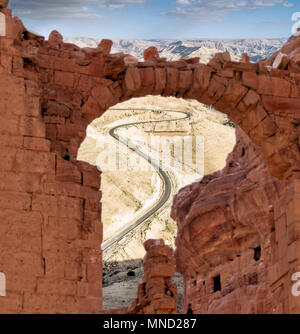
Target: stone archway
x=253 y=95
x=60 y=89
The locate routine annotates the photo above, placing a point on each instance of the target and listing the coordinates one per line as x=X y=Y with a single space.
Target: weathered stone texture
x=234 y=224
x=157 y=294
x=51 y=228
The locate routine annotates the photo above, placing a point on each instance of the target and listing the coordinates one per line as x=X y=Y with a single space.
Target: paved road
x=162 y=174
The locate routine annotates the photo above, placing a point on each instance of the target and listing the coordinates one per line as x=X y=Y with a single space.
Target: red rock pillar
x=157 y=294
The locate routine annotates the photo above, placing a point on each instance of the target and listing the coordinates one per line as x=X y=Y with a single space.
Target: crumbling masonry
x=238 y=241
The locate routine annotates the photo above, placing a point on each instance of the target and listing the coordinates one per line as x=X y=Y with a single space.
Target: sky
x=160 y=19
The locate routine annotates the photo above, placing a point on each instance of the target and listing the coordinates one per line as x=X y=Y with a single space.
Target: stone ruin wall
x=51 y=231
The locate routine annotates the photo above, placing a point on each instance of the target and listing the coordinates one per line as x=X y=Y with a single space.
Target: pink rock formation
x=151 y=53
x=226 y=230
x=157 y=294
x=55 y=37
x=3 y=3
x=105 y=45
x=51 y=231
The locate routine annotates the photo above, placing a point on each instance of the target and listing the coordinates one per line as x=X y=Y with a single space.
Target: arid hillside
x=137 y=191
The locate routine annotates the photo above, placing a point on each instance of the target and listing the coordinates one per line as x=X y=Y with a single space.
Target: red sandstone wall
x=49 y=236
x=50 y=225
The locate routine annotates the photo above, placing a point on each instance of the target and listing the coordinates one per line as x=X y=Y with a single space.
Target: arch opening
x=165 y=129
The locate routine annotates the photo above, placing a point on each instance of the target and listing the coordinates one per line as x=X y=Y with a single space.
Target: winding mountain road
x=167 y=185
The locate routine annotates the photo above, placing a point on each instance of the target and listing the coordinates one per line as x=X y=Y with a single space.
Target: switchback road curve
x=167 y=187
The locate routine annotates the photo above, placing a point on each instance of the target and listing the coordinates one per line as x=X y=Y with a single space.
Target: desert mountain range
x=257 y=49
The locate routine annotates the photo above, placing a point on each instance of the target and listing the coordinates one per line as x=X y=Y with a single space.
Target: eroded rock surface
x=226 y=233
x=157 y=294
x=51 y=227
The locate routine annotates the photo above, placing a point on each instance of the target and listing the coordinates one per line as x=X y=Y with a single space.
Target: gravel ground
x=120 y=286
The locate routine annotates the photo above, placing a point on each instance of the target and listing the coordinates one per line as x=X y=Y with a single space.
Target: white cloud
x=89 y=9
x=287 y=4
x=183 y=2
x=205 y=9
x=66 y=9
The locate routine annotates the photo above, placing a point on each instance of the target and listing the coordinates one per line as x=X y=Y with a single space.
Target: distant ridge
x=204 y=48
